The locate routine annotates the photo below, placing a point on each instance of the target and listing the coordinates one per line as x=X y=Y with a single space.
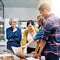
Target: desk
x=9 y=57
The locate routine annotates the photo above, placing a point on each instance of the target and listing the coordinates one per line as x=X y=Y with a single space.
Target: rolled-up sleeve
x=39 y=35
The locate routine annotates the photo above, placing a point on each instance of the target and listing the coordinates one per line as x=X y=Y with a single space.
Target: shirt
x=13 y=38
x=29 y=37
x=52 y=35
x=39 y=34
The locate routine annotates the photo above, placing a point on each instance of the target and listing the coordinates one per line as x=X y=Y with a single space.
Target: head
x=30 y=25
x=13 y=23
x=44 y=9
x=40 y=20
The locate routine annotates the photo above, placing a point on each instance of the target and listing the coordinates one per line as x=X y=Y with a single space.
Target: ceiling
x=21 y=3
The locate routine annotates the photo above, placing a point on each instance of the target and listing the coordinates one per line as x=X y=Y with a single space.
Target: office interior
x=21 y=11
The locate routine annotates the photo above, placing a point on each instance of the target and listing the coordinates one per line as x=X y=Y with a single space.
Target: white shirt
x=29 y=37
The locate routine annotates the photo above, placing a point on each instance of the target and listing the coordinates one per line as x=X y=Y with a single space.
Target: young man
x=51 y=36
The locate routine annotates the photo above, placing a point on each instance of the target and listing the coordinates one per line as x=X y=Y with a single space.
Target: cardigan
x=24 y=41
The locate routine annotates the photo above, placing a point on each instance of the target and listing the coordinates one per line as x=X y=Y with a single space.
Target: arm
x=18 y=35
x=24 y=40
x=9 y=35
x=47 y=31
x=39 y=34
x=43 y=43
x=30 y=42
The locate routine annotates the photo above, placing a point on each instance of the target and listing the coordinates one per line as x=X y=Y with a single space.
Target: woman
x=29 y=33
x=13 y=35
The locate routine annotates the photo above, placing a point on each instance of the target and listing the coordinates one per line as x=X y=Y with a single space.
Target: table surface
x=9 y=57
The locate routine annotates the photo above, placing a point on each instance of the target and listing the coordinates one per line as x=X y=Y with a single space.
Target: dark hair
x=38 y=16
x=42 y=20
x=45 y=6
x=30 y=22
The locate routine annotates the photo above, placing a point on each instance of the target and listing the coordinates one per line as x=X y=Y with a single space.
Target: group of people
x=44 y=40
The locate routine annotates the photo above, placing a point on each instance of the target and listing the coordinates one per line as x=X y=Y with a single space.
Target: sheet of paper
x=18 y=51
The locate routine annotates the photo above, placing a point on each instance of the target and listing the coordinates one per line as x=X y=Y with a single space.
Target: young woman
x=29 y=33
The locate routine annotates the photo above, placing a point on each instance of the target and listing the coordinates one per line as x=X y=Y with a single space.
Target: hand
x=23 y=47
x=34 y=53
x=38 y=41
x=39 y=56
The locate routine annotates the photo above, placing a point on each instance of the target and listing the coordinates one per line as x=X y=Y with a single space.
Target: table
x=9 y=57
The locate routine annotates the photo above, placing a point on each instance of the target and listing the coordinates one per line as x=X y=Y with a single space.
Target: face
x=44 y=13
x=13 y=25
x=30 y=27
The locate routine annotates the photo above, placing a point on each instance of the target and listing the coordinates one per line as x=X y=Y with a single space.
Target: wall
x=43 y=1
x=22 y=13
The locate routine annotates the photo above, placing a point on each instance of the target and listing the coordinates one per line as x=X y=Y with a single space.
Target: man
x=51 y=36
x=50 y=44
x=13 y=35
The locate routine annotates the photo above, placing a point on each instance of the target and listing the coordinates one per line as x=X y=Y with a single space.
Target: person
x=28 y=35
x=13 y=35
x=40 y=20
x=50 y=45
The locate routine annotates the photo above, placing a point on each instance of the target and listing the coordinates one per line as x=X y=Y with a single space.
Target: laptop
x=19 y=52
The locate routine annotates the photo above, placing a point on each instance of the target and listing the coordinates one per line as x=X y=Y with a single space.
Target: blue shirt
x=39 y=34
x=52 y=35
x=15 y=37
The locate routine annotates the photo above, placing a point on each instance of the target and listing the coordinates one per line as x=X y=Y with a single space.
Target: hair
x=45 y=6
x=12 y=20
x=42 y=19
x=30 y=22
x=38 y=16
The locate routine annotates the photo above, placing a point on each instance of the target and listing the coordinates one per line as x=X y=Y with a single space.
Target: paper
x=31 y=58
x=18 y=51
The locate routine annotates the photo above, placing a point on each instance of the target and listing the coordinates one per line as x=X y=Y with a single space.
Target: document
x=18 y=52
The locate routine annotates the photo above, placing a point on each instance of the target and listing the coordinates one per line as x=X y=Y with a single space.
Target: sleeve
x=18 y=36
x=39 y=34
x=9 y=35
x=24 y=40
x=47 y=30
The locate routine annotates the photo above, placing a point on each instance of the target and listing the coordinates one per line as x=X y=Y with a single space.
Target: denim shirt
x=13 y=38
x=39 y=34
